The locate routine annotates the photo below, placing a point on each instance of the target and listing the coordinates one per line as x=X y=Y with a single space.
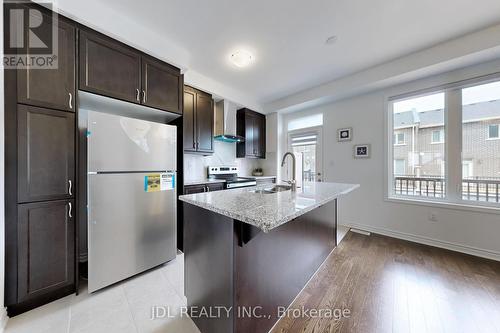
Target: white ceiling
x=288 y=37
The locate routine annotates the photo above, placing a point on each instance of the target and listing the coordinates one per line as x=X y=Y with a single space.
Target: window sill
x=437 y=143
x=445 y=204
x=400 y=144
x=492 y=139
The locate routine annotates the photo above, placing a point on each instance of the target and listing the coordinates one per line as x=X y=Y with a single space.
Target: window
x=493 y=132
x=419 y=167
x=438 y=136
x=480 y=114
x=399 y=167
x=399 y=139
x=306 y=146
x=305 y=122
x=468 y=113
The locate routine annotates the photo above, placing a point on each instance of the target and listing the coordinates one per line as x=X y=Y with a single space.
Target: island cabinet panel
x=52 y=88
x=46 y=252
x=161 y=85
x=109 y=68
x=208 y=268
x=252 y=126
x=234 y=264
x=46 y=154
x=286 y=258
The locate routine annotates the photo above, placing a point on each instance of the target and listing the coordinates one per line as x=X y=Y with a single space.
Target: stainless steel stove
x=230 y=175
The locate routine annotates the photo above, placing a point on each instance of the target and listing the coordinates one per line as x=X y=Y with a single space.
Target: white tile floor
x=124 y=307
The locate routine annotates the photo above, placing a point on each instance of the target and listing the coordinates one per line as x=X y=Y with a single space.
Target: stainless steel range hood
x=225 y=122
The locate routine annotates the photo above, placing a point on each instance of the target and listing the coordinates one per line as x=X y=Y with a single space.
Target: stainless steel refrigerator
x=131 y=197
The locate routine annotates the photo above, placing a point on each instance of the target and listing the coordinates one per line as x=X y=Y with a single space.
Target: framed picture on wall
x=362 y=151
x=344 y=134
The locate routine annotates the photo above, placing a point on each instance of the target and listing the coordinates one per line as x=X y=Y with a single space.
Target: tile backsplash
x=195 y=166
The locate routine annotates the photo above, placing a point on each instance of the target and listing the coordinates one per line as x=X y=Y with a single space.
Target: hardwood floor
x=391 y=285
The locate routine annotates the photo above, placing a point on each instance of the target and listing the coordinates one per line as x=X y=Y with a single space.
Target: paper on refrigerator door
x=159 y=182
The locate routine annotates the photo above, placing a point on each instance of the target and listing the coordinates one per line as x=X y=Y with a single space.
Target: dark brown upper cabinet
x=110 y=68
x=46 y=154
x=52 y=88
x=46 y=248
x=161 y=85
x=252 y=126
x=198 y=119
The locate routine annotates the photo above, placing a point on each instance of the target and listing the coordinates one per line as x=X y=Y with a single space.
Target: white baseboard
x=428 y=241
x=3 y=319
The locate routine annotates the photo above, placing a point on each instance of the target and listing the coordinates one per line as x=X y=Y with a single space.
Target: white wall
x=365 y=208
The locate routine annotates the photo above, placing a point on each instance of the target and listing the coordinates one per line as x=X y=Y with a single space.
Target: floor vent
x=362 y=232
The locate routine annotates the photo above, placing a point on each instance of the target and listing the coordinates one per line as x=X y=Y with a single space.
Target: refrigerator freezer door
x=118 y=143
x=132 y=225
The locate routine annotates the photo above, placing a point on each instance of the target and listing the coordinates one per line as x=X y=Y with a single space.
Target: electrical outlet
x=433 y=217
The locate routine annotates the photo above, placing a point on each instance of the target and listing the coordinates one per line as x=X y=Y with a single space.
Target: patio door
x=307 y=145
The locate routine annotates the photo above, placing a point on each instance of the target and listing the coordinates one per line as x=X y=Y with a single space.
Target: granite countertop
x=268 y=211
x=203 y=181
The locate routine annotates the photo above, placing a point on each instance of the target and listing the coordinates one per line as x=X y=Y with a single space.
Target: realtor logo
x=31 y=35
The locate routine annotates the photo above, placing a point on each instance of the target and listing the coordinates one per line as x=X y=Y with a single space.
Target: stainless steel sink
x=275 y=189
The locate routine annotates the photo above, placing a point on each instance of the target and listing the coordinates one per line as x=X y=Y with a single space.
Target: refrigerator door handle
x=70 y=187
x=70 y=213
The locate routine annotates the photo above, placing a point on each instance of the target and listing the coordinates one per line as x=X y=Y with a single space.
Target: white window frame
x=441 y=136
x=495 y=137
x=453 y=148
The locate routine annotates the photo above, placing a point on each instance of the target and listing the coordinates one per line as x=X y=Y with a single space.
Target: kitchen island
x=250 y=251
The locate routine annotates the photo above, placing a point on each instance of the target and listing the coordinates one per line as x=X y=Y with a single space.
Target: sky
x=476 y=94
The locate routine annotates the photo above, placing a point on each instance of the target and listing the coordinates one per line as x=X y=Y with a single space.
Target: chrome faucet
x=293 y=182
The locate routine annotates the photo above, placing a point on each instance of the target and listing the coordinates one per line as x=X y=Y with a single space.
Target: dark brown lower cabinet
x=200 y=188
x=46 y=248
x=215 y=187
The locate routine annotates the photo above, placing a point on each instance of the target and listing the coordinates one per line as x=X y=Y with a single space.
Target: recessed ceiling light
x=241 y=58
x=331 y=40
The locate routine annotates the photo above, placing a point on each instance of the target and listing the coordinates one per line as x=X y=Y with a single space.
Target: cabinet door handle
x=208 y=189
x=144 y=96
x=70 y=101
x=70 y=213
x=138 y=97
x=70 y=187
x=204 y=188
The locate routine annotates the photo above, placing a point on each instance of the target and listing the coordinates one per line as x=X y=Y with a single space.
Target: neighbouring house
x=419 y=138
